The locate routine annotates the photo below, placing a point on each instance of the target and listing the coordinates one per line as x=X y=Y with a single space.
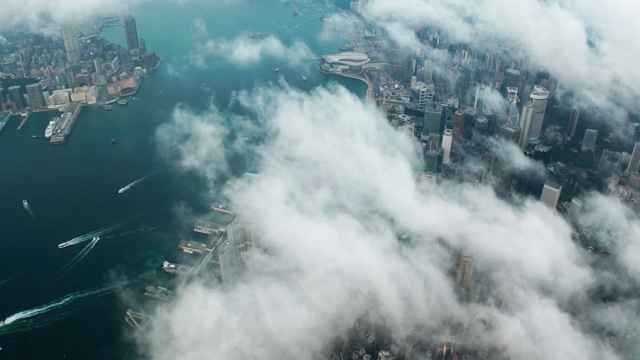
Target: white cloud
x=336 y=186
x=245 y=51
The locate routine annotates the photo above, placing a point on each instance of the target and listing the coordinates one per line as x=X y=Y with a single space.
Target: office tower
x=635 y=159
x=538 y=97
x=14 y=93
x=432 y=153
x=589 y=139
x=425 y=96
x=131 y=32
x=240 y=239
x=481 y=91
x=573 y=122
x=447 y=139
x=432 y=122
x=511 y=79
x=525 y=125
x=71 y=43
x=465 y=273
x=458 y=125
x=551 y=194
x=574 y=209
x=36 y=99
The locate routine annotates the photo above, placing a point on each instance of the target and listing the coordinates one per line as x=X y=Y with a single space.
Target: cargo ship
x=159 y=293
x=176 y=269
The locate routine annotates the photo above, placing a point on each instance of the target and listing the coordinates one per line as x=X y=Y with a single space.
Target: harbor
x=63 y=128
x=5 y=118
x=208 y=227
x=192 y=247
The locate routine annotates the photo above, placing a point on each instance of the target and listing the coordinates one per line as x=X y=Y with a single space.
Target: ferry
x=64 y=245
x=123 y=189
x=304 y=78
x=176 y=269
x=276 y=70
x=25 y=204
x=52 y=124
x=34 y=136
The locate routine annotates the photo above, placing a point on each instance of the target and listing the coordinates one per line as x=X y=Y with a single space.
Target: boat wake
x=76 y=259
x=27 y=208
x=231 y=103
x=129 y=186
x=99 y=232
x=60 y=309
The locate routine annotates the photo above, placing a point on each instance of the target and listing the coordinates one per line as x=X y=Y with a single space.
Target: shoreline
x=369 y=93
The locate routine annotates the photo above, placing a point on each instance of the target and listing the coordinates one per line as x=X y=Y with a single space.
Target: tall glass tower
x=131 y=32
x=71 y=43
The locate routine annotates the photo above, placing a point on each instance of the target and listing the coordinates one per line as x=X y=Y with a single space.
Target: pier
x=4 y=119
x=205 y=260
x=24 y=120
x=63 y=128
x=207 y=227
x=192 y=247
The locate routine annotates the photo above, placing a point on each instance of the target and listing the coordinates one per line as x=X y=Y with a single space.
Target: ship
x=25 y=204
x=64 y=244
x=122 y=102
x=113 y=141
x=34 y=136
x=176 y=269
x=159 y=293
x=124 y=189
x=304 y=78
x=49 y=130
x=223 y=208
x=107 y=107
x=276 y=70
x=1 y=323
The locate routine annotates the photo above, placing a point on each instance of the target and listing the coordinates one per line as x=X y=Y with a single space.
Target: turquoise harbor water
x=70 y=302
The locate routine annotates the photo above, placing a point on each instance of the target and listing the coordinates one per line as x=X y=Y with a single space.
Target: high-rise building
x=551 y=194
x=458 y=125
x=432 y=123
x=425 y=96
x=589 y=139
x=71 y=43
x=635 y=159
x=465 y=273
x=447 y=139
x=539 y=97
x=525 y=125
x=14 y=93
x=511 y=79
x=573 y=122
x=131 y=32
x=575 y=208
x=240 y=239
x=36 y=99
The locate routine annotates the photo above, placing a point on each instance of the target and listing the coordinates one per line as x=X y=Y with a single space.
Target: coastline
x=369 y=95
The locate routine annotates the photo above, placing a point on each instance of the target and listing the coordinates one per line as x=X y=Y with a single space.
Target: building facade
x=551 y=194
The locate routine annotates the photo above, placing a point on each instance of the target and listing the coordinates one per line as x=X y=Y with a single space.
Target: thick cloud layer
x=336 y=187
x=576 y=41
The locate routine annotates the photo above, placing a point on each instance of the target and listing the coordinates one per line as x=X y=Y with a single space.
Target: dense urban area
x=468 y=109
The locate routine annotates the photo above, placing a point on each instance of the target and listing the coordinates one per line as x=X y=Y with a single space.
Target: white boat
x=64 y=245
x=276 y=70
x=123 y=189
x=49 y=130
x=96 y=238
x=304 y=78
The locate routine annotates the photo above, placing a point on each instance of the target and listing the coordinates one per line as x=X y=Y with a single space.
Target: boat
x=52 y=124
x=234 y=93
x=96 y=238
x=158 y=292
x=176 y=269
x=34 y=136
x=25 y=203
x=107 y=107
x=304 y=78
x=276 y=70
x=223 y=208
x=113 y=141
x=122 y=102
x=295 y=12
x=124 y=189
x=64 y=245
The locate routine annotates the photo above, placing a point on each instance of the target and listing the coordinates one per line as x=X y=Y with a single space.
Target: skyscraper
x=538 y=97
x=589 y=139
x=575 y=208
x=131 y=32
x=573 y=122
x=465 y=272
x=551 y=194
x=36 y=99
x=233 y=252
x=525 y=125
x=458 y=125
x=447 y=138
x=71 y=43
x=635 y=159
x=14 y=93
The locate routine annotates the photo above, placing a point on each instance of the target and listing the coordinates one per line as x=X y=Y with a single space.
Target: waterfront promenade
x=370 y=93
